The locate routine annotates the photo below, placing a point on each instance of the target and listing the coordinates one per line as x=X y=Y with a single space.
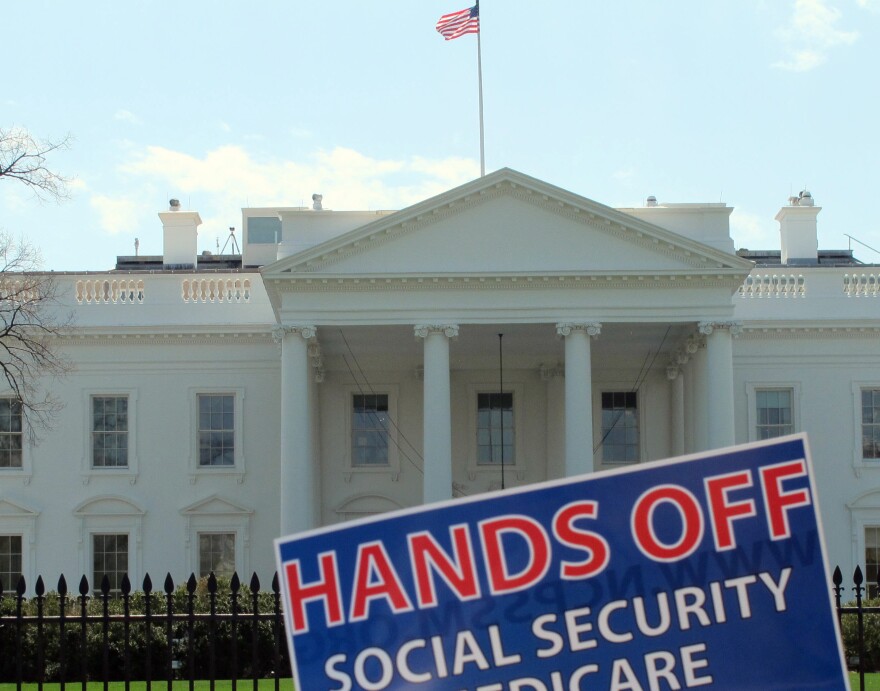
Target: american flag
x=460 y=23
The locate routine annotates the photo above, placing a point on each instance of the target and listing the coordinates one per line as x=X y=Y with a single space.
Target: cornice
x=304 y=283
x=790 y=331
x=189 y=338
x=605 y=219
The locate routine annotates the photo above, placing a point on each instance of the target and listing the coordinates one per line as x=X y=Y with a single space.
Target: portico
x=596 y=320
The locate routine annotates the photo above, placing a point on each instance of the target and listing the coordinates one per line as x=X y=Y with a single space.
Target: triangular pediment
x=507 y=223
x=9 y=509
x=215 y=506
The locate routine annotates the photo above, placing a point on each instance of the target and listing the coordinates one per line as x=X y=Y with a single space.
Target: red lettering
x=325 y=589
x=722 y=511
x=570 y=535
x=537 y=543
x=428 y=557
x=777 y=501
x=375 y=578
x=642 y=523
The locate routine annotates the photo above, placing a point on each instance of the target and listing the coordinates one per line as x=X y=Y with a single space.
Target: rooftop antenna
x=235 y=248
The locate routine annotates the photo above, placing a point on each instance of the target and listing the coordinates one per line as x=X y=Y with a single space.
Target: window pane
x=10 y=433
x=620 y=427
x=369 y=430
x=110 y=558
x=496 y=429
x=217 y=554
x=109 y=431
x=872 y=558
x=216 y=413
x=773 y=413
x=10 y=561
x=870 y=423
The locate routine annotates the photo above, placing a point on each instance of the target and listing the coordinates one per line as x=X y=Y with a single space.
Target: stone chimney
x=798 y=230
x=180 y=234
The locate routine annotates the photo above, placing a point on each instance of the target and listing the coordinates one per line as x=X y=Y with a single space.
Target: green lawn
x=244 y=685
x=872 y=681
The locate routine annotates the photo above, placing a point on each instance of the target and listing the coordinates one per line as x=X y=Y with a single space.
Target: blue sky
x=232 y=104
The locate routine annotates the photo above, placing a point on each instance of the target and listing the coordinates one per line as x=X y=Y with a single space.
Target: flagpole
x=480 y=79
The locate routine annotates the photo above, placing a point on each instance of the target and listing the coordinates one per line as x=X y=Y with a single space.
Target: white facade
x=643 y=320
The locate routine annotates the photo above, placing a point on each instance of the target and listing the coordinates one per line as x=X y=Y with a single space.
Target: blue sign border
x=705 y=570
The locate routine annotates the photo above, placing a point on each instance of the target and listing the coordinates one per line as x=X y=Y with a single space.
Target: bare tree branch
x=29 y=332
x=23 y=158
x=30 y=325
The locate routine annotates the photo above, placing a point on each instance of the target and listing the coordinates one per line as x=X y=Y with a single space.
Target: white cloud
x=753 y=232
x=623 y=174
x=810 y=34
x=127 y=116
x=225 y=179
x=873 y=5
x=118 y=215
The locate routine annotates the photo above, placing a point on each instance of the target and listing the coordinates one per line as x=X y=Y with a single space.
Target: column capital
x=307 y=331
x=592 y=329
x=708 y=327
x=448 y=330
x=672 y=372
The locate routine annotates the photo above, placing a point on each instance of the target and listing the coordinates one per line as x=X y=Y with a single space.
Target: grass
x=872 y=681
x=220 y=685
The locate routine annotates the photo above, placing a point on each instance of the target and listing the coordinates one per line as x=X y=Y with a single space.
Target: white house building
x=502 y=333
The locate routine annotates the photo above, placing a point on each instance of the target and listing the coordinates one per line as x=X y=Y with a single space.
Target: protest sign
x=706 y=570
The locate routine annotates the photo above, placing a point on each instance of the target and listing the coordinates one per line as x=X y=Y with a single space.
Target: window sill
x=495 y=469
x=23 y=474
x=217 y=471
x=371 y=470
x=130 y=473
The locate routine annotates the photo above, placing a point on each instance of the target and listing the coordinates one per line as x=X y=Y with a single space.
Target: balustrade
x=861 y=285
x=773 y=286
x=110 y=291
x=237 y=290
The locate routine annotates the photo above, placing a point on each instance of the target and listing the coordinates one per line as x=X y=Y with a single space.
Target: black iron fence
x=205 y=630
x=859 y=623
x=200 y=630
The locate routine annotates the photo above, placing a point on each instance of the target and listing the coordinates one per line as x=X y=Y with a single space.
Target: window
x=496 y=438
x=263 y=230
x=216 y=429
x=109 y=558
x=109 y=431
x=10 y=433
x=216 y=554
x=10 y=561
x=369 y=430
x=871 y=424
x=620 y=427
x=774 y=413
x=872 y=558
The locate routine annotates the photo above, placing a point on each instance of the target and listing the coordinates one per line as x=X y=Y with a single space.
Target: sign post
x=706 y=570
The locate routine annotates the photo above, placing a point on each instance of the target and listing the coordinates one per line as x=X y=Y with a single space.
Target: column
x=578 y=396
x=298 y=487
x=719 y=363
x=686 y=357
x=676 y=409
x=554 y=420
x=701 y=398
x=437 y=443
